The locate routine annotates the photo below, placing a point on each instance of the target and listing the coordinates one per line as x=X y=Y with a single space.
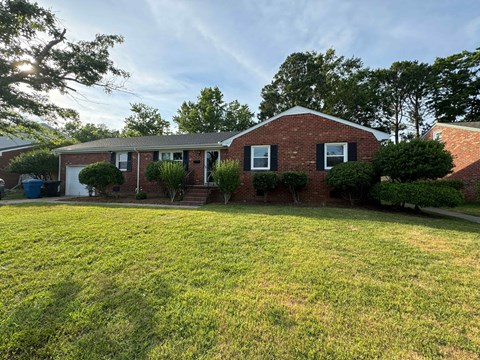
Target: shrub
x=40 y=164
x=265 y=181
x=141 y=195
x=454 y=184
x=353 y=179
x=173 y=176
x=227 y=177
x=418 y=194
x=100 y=175
x=415 y=160
x=295 y=181
x=478 y=190
x=152 y=172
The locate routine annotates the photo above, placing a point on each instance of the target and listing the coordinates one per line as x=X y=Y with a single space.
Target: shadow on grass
x=115 y=322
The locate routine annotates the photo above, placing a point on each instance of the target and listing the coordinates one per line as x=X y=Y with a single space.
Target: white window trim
x=252 y=166
x=171 y=155
x=345 y=153
x=117 y=160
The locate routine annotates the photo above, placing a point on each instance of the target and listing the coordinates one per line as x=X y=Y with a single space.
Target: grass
x=236 y=282
x=468 y=208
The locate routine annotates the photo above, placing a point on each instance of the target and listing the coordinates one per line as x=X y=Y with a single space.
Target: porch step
x=196 y=195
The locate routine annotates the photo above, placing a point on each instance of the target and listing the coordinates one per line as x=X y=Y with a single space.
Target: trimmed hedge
x=418 y=194
x=478 y=190
x=100 y=175
x=227 y=177
x=295 y=181
x=353 y=179
x=454 y=184
x=265 y=181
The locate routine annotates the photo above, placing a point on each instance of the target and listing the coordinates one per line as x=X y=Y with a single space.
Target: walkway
x=454 y=214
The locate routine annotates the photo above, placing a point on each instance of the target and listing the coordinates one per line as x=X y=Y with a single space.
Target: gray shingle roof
x=7 y=143
x=150 y=142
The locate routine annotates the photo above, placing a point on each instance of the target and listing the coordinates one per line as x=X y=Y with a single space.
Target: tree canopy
x=145 y=121
x=36 y=58
x=211 y=114
x=76 y=130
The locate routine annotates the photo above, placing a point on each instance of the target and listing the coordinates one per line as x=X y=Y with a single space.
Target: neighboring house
x=463 y=141
x=10 y=148
x=298 y=139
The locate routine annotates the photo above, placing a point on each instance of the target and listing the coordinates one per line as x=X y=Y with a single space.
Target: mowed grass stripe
x=259 y=282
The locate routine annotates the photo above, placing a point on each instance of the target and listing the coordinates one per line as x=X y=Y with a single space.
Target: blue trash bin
x=32 y=188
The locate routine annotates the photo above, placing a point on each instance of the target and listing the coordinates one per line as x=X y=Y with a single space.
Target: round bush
x=265 y=181
x=415 y=160
x=100 y=175
x=295 y=181
x=353 y=179
x=40 y=163
x=152 y=172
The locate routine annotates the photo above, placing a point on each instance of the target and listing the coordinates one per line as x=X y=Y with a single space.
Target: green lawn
x=469 y=208
x=236 y=282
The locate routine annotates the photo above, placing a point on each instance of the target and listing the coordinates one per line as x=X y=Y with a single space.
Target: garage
x=72 y=185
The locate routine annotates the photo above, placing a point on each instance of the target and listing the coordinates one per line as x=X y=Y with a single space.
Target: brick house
x=298 y=139
x=463 y=141
x=11 y=147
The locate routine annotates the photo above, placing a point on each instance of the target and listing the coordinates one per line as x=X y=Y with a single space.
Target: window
x=261 y=157
x=335 y=154
x=173 y=156
x=437 y=135
x=122 y=161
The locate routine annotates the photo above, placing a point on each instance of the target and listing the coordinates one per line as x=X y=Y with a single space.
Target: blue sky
x=175 y=48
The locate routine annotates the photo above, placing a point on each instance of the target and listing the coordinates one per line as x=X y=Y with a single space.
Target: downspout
x=138 y=171
x=60 y=171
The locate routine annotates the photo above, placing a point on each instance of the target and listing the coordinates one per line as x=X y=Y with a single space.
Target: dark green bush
x=415 y=160
x=100 y=175
x=40 y=164
x=295 y=181
x=265 y=182
x=418 y=194
x=353 y=179
x=227 y=177
x=141 y=195
x=152 y=172
x=478 y=190
x=454 y=184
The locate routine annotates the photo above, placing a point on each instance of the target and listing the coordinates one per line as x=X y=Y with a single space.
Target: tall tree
x=211 y=114
x=314 y=80
x=145 y=121
x=456 y=94
x=36 y=57
x=80 y=132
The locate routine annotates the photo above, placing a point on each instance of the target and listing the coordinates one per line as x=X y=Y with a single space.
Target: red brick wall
x=465 y=148
x=10 y=179
x=297 y=137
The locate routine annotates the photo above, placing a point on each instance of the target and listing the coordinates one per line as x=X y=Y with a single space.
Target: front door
x=212 y=157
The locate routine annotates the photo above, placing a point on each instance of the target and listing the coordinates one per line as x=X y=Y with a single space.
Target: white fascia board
x=450 y=125
x=298 y=110
x=15 y=149
x=139 y=148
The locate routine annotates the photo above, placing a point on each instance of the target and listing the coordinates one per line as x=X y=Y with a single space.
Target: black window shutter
x=274 y=157
x=129 y=161
x=352 y=151
x=155 y=156
x=185 y=159
x=320 y=156
x=247 y=156
x=113 y=158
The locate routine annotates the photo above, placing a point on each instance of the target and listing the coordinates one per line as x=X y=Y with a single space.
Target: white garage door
x=72 y=185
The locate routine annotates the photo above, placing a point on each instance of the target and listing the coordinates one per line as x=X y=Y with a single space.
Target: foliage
x=40 y=163
x=265 y=182
x=173 y=176
x=418 y=194
x=417 y=159
x=478 y=190
x=353 y=179
x=100 y=175
x=153 y=172
x=295 y=181
x=457 y=87
x=454 y=184
x=141 y=195
x=145 y=121
x=36 y=58
x=81 y=132
x=226 y=175
x=211 y=114
x=304 y=272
